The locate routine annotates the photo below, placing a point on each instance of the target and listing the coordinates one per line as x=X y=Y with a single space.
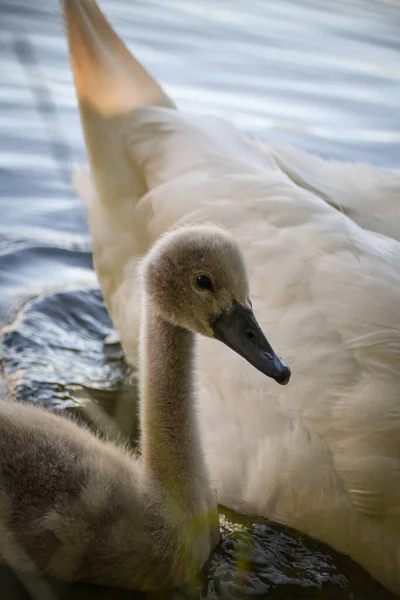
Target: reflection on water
x=323 y=75
x=54 y=353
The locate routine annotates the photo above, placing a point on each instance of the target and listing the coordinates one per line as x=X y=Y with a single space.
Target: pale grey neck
x=170 y=442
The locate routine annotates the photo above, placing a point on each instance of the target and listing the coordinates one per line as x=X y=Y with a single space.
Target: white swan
x=77 y=507
x=322 y=455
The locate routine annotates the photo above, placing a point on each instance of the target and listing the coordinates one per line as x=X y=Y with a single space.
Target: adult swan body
x=323 y=454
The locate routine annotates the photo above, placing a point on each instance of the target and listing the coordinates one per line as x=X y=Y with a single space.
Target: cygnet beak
x=237 y=328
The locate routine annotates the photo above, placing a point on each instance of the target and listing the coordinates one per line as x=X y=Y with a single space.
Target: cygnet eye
x=204 y=282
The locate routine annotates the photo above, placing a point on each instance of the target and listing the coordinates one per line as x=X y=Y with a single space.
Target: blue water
x=323 y=75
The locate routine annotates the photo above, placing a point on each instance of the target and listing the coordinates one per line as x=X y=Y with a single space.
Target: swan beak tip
x=285 y=375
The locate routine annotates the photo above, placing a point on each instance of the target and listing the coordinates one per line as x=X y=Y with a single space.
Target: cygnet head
x=195 y=278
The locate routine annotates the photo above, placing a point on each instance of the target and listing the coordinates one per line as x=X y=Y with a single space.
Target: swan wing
x=327 y=289
x=368 y=195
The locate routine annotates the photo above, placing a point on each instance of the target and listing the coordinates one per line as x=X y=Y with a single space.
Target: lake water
x=321 y=74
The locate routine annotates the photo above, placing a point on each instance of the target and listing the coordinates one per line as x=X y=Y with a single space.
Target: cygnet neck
x=170 y=441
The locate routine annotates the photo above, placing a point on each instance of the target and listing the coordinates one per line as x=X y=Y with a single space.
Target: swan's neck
x=170 y=442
